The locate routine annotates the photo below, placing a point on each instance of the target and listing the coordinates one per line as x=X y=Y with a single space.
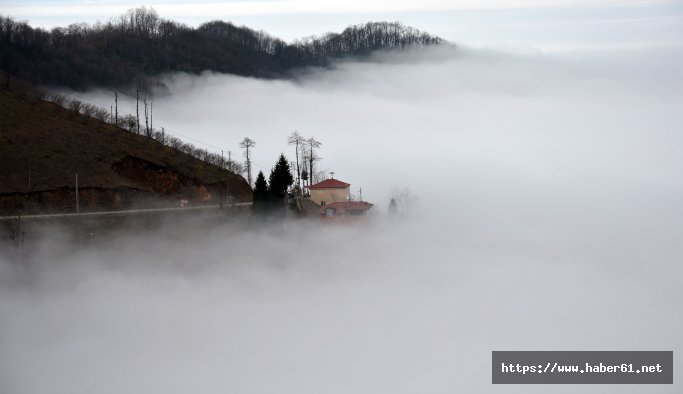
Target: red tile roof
x=330 y=184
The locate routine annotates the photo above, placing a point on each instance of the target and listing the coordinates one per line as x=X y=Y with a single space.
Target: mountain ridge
x=138 y=45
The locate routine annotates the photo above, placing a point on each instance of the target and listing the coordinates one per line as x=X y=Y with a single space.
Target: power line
x=171 y=132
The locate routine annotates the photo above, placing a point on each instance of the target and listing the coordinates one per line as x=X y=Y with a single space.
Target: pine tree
x=261 y=188
x=393 y=207
x=280 y=178
x=261 y=199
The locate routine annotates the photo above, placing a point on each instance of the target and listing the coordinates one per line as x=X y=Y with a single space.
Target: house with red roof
x=329 y=191
x=333 y=198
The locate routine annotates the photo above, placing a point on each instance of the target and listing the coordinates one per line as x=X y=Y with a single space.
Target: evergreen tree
x=393 y=207
x=280 y=178
x=261 y=195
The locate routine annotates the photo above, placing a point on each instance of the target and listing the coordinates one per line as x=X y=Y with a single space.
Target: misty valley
x=203 y=207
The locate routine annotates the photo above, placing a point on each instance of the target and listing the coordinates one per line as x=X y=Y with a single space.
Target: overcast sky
x=548 y=25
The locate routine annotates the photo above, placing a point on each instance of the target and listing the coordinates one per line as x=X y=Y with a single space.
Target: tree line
x=139 y=44
x=270 y=196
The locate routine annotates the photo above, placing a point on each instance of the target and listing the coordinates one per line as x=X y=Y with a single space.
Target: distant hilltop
x=129 y=50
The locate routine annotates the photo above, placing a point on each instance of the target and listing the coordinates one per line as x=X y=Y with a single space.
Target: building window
x=329 y=212
x=322 y=203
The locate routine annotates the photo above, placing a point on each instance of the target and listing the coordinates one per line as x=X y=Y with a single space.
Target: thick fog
x=545 y=215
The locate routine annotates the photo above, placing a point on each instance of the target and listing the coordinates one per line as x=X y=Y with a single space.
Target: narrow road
x=126 y=212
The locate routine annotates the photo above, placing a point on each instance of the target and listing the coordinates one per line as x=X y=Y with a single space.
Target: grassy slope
x=58 y=143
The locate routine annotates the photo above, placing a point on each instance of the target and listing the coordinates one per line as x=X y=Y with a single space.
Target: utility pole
x=116 y=103
x=78 y=208
x=229 y=176
x=220 y=185
x=137 y=109
x=146 y=119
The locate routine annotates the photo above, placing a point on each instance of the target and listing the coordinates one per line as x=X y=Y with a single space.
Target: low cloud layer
x=548 y=217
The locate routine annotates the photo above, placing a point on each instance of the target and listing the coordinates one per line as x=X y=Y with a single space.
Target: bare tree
x=312 y=144
x=322 y=174
x=404 y=198
x=247 y=144
x=296 y=140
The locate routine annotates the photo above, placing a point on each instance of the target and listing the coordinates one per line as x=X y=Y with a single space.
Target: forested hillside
x=44 y=146
x=129 y=49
